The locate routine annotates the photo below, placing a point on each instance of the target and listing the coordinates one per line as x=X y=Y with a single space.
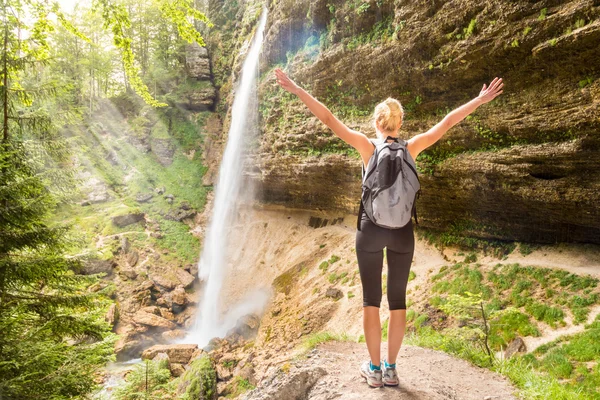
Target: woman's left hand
x=285 y=82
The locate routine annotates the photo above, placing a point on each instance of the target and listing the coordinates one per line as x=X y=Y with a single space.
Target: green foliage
x=44 y=303
x=311 y=341
x=148 y=380
x=324 y=266
x=585 y=82
x=382 y=32
x=543 y=312
x=202 y=378
x=469 y=30
x=411 y=275
x=459 y=234
x=117 y=18
x=238 y=386
x=384 y=330
x=543 y=13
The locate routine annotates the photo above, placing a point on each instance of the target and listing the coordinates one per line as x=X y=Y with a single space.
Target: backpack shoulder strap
x=362 y=165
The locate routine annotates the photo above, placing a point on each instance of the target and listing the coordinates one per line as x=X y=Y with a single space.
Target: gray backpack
x=390 y=185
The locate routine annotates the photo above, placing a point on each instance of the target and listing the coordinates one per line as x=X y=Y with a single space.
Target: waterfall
x=212 y=266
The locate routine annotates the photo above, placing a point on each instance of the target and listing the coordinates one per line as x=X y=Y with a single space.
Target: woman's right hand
x=488 y=94
x=285 y=82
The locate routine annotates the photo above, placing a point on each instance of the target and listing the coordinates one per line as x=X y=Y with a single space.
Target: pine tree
x=52 y=332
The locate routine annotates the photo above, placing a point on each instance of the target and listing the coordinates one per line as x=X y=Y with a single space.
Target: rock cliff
x=523 y=167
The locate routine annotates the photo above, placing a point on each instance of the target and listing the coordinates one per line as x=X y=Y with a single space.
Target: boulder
x=334 y=293
x=185 y=277
x=143 y=197
x=95 y=266
x=178 y=353
x=178 y=299
x=161 y=357
x=293 y=385
x=132 y=258
x=164 y=281
x=147 y=319
x=200 y=380
x=127 y=273
x=246 y=327
x=127 y=219
x=125 y=245
x=517 y=345
x=176 y=369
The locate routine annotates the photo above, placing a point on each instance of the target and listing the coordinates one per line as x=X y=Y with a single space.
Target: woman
x=371 y=239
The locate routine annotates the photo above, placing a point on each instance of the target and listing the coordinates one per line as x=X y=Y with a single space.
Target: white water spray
x=212 y=266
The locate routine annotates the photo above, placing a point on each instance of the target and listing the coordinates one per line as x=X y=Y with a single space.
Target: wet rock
x=246 y=327
x=178 y=353
x=127 y=219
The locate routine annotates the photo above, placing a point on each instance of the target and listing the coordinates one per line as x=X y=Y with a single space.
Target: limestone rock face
x=163 y=149
x=525 y=166
x=197 y=61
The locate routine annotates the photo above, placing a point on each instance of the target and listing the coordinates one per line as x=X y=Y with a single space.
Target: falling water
x=212 y=266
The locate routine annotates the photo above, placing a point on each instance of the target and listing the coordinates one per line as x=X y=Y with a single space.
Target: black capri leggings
x=400 y=244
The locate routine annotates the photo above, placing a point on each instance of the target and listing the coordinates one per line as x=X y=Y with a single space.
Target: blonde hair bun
x=389 y=114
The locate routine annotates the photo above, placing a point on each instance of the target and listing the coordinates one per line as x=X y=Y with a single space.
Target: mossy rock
x=200 y=381
x=284 y=282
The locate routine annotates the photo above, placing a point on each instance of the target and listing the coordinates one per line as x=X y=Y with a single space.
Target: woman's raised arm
x=356 y=139
x=422 y=141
